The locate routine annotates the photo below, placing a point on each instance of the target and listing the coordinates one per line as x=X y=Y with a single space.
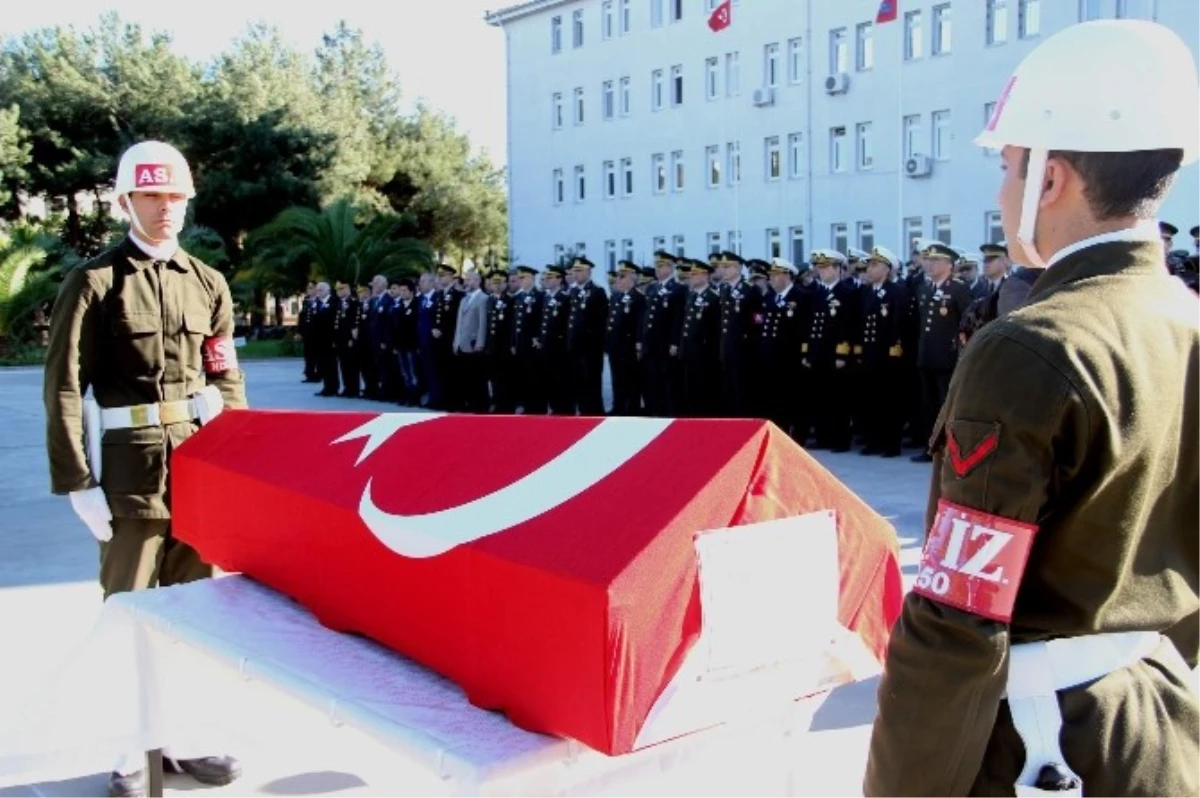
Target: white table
x=168 y=664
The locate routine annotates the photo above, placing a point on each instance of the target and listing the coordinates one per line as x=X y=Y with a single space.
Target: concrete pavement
x=49 y=599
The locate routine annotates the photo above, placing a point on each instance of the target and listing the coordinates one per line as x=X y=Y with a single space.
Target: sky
x=442 y=50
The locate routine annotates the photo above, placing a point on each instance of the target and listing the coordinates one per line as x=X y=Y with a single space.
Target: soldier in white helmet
x=1045 y=647
x=148 y=329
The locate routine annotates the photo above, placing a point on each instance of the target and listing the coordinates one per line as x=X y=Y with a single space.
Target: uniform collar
x=1144 y=230
x=1115 y=255
x=140 y=254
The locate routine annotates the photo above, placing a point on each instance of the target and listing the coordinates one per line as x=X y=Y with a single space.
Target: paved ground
x=49 y=600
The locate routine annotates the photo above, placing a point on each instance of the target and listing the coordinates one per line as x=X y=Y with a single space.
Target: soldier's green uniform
x=132 y=328
x=1074 y=416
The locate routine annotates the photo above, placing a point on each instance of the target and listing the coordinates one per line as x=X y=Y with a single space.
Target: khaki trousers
x=142 y=554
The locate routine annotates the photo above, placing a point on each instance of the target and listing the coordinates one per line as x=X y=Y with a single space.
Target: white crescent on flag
x=596 y=455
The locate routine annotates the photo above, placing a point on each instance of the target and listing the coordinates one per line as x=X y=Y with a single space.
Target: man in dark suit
x=429 y=376
x=741 y=324
x=404 y=343
x=659 y=338
x=324 y=316
x=377 y=336
x=831 y=321
x=700 y=343
x=882 y=352
x=621 y=338
x=346 y=323
x=551 y=342
x=527 y=376
x=449 y=297
x=308 y=308
x=779 y=346
x=498 y=350
x=585 y=339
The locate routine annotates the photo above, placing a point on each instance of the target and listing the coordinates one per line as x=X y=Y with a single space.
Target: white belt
x=1038 y=671
x=151 y=415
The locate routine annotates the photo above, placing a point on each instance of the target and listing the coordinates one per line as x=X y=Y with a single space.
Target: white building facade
x=633 y=127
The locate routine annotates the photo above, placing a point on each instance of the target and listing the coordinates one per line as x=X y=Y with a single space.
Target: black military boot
x=216 y=771
x=127 y=785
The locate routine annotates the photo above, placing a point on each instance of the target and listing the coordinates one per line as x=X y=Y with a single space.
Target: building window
x=676 y=10
x=941 y=229
x=733 y=75
x=556 y=35
x=710 y=78
x=837 y=237
x=677 y=85
x=734 y=241
x=797 y=238
x=712 y=156
x=795 y=60
x=626 y=17
x=941 y=135
x=839 y=51
x=656 y=90
x=609 y=100
x=864 y=36
x=795 y=155
x=1135 y=9
x=714 y=243
x=774 y=168
x=556 y=110
x=913 y=231
x=913 y=44
x=997 y=22
x=558 y=187
x=733 y=157
x=677 y=245
x=626 y=103
x=774 y=244
x=912 y=135
x=866 y=153
x=627 y=177
x=941 y=29
x=866 y=236
x=993 y=228
x=560 y=253
x=656 y=13
x=581 y=249
x=658 y=172
x=610 y=255
x=580 y=185
x=579 y=106
x=608 y=21
x=659 y=243
x=1089 y=10
x=988 y=110
x=1029 y=18
x=677 y=170
x=771 y=66
x=837 y=149
x=610 y=180
x=627 y=249
x=577 y=28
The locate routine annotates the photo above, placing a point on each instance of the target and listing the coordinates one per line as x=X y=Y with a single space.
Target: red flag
x=887 y=11
x=721 y=16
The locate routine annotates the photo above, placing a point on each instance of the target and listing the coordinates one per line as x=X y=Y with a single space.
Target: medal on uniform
x=942 y=310
x=883 y=311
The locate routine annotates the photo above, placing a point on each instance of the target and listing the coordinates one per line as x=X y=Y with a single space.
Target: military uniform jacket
x=445 y=314
x=830 y=321
x=110 y=332
x=783 y=320
x=346 y=320
x=882 y=324
x=939 y=316
x=741 y=320
x=624 y=324
x=700 y=336
x=527 y=324
x=1081 y=444
x=663 y=317
x=403 y=319
x=585 y=324
x=556 y=309
x=307 y=309
x=500 y=314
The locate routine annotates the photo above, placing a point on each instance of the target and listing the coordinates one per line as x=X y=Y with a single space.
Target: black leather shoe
x=131 y=784
x=216 y=771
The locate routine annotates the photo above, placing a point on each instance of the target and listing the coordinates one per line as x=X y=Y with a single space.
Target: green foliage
x=282 y=347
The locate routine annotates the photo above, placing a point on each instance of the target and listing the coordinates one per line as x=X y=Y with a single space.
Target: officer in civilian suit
x=375 y=366
x=445 y=320
x=362 y=343
x=498 y=345
x=664 y=310
x=428 y=377
x=324 y=316
x=345 y=338
x=882 y=335
x=528 y=383
x=779 y=346
x=700 y=343
x=826 y=350
x=551 y=342
x=625 y=310
x=585 y=339
x=741 y=324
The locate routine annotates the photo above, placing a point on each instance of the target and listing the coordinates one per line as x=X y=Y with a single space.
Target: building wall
x=814 y=198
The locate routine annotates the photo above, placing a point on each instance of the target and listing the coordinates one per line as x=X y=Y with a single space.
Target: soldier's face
x=551 y=282
x=625 y=281
x=994 y=266
x=938 y=267
x=877 y=272
x=160 y=215
x=698 y=278
x=780 y=281
x=526 y=282
x=731 y=272
x=343 y=292
x=828 y=272
x=393 y=291
x=405 y=293
x=664 y=270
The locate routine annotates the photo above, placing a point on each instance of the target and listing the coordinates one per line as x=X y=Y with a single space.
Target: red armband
x=219 y=355
x=974 y=561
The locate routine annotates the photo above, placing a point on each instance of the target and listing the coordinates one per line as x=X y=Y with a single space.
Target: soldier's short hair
x=1117 y=184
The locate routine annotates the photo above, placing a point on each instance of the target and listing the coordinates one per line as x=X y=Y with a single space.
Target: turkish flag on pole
x=721 y=16
x=887 y=11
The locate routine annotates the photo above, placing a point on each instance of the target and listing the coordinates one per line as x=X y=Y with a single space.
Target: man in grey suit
x=470 y=336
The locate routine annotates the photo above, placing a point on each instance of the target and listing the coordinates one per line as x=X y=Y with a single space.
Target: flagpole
x=901 y=139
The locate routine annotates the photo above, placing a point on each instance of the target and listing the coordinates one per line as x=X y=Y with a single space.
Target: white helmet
x=883 y=255
x=1103 y=86
x=154 y=166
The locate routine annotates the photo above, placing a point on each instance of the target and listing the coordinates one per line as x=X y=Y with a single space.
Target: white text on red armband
x=219 y=355
x=974 y=561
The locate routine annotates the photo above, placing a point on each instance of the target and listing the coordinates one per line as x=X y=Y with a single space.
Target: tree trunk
x=74 y=224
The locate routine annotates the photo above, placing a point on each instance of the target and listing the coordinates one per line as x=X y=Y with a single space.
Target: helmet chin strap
x=136 y=224
x=1035 y=176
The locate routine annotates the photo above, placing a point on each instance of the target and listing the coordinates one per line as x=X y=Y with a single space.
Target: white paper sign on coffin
x=769 y=631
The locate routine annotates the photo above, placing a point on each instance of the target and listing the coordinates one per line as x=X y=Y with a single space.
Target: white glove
x=92 y=506
x=209 y=404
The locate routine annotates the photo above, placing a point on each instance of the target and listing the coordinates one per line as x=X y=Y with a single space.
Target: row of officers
x=847 y=346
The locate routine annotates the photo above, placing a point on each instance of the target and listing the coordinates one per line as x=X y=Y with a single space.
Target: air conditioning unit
x=764 y=97
x=918 y=166
x=838 y=83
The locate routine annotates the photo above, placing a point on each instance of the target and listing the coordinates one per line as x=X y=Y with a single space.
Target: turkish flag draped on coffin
x=544 y=564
